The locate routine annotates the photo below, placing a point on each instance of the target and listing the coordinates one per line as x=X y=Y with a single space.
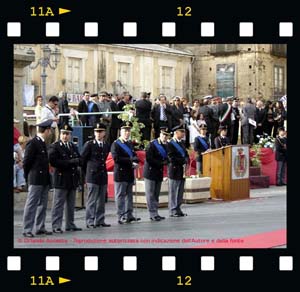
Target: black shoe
x=161 y=217
x=181 y=214
x=91 y=226
x=128 y=220
x=279 y=185
x=28 y=234
x=74 y=229
x=40 y=232
x=122 y=221
x=155 y=218
x=103 y=225
x=283 y=184
x=57 y=230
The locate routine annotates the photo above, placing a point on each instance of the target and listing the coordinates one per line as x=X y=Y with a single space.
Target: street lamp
x=50 y=58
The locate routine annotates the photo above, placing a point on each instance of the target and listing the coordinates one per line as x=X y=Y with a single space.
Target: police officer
x=222 y=140
x=65 y=158
x=178 y=158
x=156 y=158
x=125 y=161
x=201 y=145
x=94 y=155
x=36 y=173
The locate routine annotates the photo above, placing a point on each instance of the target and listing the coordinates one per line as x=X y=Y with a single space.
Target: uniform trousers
x=124 y=199
x=152 y=190
x=35 y=208
x=176 y=189
x=95 y=205
x=62 y=196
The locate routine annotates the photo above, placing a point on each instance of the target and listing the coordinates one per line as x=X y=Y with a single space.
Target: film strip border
x=168 y=263
x=168 y=29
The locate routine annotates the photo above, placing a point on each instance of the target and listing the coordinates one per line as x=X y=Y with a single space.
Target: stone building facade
x=244 y=70
x=115 y=68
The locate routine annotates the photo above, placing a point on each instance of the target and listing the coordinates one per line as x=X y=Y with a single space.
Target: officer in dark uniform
x=36 y=173
x=178 y=159
x=281 y=156
x=156 y=158
x=94 y=155
x=125 y=161
x=65 y=158
x=201 y=145
x=222 y=140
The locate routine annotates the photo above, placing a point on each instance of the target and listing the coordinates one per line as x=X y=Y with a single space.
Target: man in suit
x=156 y=159
x=222 y=140
x=161 y=115
x=115 y=121
x=225 y=110
x=143 y=110
x=235 y=121
x=125 y=162
x=36 y=173
x=83 y=108
x=94 y=155
x=260 y=118
x=63 y=108
x=281 y=156
x=249 y=112
x=178 y=159
x=65 y=158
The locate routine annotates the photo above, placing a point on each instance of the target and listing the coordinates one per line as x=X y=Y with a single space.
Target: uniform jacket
x=115 y=121
x=36 y=163
x=175 y=167
x=94 y=162
x=65 y=161
x=154 y=164
x=281 y=149
x=123 y=171
x=199 y=148
x=221 y=142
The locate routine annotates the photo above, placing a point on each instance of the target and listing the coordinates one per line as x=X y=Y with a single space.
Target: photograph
x=156 y=146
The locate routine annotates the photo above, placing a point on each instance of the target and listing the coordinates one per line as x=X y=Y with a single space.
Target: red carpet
x=261 y=240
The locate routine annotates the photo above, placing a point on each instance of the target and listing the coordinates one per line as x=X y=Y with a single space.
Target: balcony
x=224 y=49
x=279 y=50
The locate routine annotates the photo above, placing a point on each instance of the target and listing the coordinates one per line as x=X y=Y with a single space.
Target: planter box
x=139 y=196
x=196 y=190
x=254 y=170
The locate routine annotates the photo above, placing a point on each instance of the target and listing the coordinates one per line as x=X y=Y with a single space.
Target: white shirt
x=48 y=113
x=41 y=137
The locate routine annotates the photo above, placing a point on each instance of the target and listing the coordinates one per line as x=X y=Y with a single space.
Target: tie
x=100 y=145
x=163 y=116
x=67 y=146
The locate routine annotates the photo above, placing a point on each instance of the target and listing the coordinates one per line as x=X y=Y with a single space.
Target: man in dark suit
x=65 y=158
x=281 y=156
x=260 y=118
x=94 y=155
x=63 y=108
x=125 y=162
x=36 y=173
x=222 y=140
x=143 y=110
x=225 y=110
x=161 y=115
x=208 y=115
x=115 y=122
x=156 y=159
x=178 y=159
x=235 y=121
x=83 y=108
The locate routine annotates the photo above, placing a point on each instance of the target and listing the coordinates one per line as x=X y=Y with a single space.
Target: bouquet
x=266 y=141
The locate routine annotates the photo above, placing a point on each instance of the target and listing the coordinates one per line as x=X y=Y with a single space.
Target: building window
x=279 y=79
x=224 y=49
x=167 y=80
x=225 y=80
x=279 y=50
x=74 y=74
x=124 y=75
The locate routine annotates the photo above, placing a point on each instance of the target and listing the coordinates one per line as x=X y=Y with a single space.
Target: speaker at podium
x=82 y=134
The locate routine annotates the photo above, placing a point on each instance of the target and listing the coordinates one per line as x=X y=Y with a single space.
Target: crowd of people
x=205 y=124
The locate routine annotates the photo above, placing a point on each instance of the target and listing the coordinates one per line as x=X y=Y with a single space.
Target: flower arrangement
x=266 y=141
x=136 y=135
x=255 y=159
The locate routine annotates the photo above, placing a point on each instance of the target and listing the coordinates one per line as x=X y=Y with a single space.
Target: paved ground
x=264 y=212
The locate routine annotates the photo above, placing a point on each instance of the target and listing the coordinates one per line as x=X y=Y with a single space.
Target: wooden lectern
x=228 y=168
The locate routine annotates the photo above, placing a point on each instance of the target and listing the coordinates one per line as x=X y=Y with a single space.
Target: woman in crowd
x=279 y=117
